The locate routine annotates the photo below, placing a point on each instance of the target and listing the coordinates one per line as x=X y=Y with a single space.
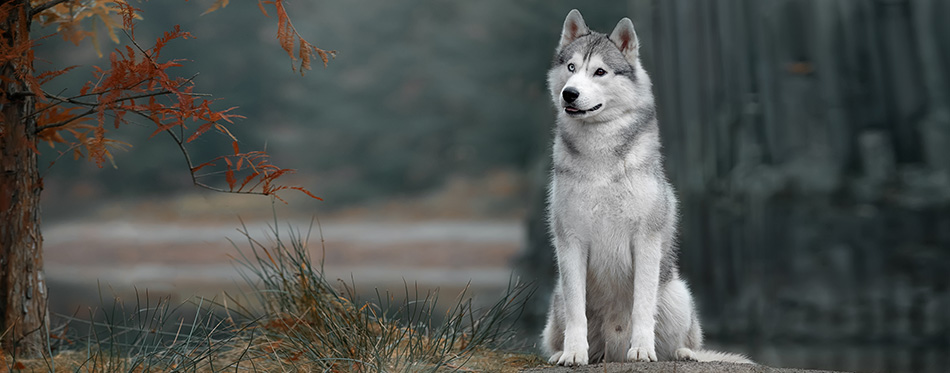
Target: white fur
x=614 y=220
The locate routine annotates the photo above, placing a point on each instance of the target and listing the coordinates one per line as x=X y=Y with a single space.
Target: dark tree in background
x=809 y=142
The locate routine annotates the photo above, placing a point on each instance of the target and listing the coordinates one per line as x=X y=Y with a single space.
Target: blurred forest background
x=809 y=142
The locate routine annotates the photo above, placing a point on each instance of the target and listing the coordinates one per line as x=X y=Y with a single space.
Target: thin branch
x=94 y=93
x=65 y=122
x=93 y=106
x=61 y=154
x=71 y=100
x=49 y=4
x=184 y=151
x=37 y=113
x=191 y=166
x=137 y=46
x=212 y=173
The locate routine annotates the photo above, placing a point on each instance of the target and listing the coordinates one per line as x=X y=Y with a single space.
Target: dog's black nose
x=570 y=94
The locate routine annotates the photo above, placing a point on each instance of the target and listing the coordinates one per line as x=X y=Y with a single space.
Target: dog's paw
x=572 y=358
x=685 y=354
x=555 y=357
x=642 y=346
x=641 y=354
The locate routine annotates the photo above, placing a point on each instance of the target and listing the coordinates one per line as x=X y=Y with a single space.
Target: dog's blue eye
x=570 y=67
x=600 y=72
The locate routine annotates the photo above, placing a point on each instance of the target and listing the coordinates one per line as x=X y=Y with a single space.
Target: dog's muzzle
x=575 y=111
x=570 y=94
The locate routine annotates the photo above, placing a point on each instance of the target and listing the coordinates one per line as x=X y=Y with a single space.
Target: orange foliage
x=218 y=4
x=288 y=36
x=290 y=40
x=138 y=82
x=68 y=15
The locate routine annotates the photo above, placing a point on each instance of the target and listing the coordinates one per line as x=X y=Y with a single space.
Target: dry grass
x=304 y=324
x=483 y=360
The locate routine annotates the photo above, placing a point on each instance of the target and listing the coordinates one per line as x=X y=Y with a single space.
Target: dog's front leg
x=572 y=265
x=647 y=252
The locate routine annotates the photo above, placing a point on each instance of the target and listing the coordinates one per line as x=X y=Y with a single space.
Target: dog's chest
x=604 y=206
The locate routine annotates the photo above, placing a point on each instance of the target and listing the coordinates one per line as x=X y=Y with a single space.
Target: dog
x=612 y=212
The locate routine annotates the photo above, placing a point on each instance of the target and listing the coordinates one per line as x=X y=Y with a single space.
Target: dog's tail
x=728 y=357
x=694 y=339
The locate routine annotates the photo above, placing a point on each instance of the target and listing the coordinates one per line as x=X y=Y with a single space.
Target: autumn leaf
x=218 y=4
x=288 y=37
x=69 y=16
x=45 y=77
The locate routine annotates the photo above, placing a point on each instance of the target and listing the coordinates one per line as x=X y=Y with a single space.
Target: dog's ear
x=626 y=39
x=574 y=27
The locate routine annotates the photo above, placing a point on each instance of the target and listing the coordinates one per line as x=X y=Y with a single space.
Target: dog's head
x=596 y=77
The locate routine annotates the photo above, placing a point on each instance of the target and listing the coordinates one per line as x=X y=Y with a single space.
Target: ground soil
x=668 y=367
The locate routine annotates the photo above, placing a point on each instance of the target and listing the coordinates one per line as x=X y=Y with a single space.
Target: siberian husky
x=612 y=212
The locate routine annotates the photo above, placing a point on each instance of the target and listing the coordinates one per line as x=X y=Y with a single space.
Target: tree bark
x=23 y=306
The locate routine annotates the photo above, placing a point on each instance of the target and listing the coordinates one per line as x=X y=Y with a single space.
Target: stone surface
x=669 y=366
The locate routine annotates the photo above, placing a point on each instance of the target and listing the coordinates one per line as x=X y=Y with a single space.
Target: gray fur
x=612 y=211
x=564 y=172
x=645 y=121
x=596 y=43
x=668 y=270
x=569 y=144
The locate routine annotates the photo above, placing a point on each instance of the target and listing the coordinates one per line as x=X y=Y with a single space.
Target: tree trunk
x=23 y=307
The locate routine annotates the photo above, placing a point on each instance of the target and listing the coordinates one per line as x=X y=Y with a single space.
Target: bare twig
x=139 y=47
